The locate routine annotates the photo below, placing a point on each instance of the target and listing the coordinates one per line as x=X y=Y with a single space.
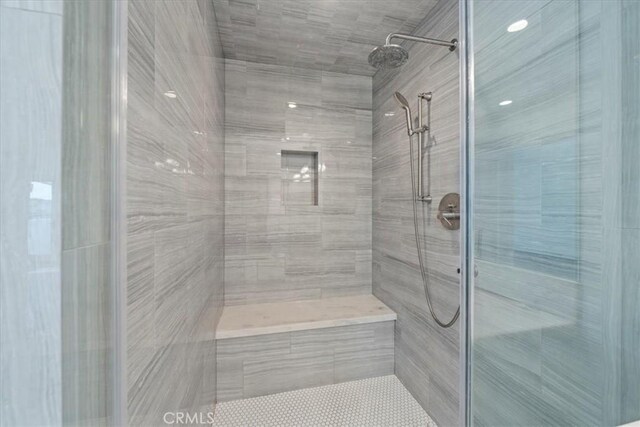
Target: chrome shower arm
x=452 y=45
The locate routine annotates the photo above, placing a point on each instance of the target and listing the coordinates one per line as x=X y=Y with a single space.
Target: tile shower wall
x=630 y=221
x=267 y=364
x=87 y=287
x=277 y=251
x=427 y=356
x=175 y=131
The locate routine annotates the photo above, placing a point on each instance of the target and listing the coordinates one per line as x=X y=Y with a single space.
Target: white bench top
x=271 y=318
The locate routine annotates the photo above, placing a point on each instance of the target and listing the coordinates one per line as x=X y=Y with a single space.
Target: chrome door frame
x=465 y=8
x=118 y=210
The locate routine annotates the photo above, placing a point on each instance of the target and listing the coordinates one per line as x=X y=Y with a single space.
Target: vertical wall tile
x=266 y=364
x=175 y=207
x=316 y=243
x=424 y=351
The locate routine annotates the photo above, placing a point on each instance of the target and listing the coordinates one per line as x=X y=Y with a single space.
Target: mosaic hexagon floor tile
x=381 y=401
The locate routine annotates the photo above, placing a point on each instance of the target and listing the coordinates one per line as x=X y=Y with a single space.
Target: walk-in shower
x=210 y=214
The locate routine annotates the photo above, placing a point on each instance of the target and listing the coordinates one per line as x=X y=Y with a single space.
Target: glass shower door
x=57 y=308
x=555 y=329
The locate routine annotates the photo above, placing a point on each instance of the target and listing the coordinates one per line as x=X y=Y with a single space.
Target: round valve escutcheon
x=449 y=211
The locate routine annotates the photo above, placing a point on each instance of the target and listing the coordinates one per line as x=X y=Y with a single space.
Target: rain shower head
x=393 y=55
x=388 y=56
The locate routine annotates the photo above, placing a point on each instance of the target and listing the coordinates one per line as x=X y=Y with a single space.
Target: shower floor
x=380 y=401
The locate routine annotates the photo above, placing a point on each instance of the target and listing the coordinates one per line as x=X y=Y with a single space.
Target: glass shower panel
x=56 y=300
x=556 y=208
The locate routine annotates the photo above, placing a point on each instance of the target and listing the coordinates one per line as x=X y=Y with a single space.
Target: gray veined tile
x=344 y=90
x=333 y=340
x=274 y=345
x=630 y=325
x=314 y=35
x=260 y=223
x=175 y=205
x=349 y=366
x=269 y=376
x=230 y=379
x=86 y=153
x=425 y=355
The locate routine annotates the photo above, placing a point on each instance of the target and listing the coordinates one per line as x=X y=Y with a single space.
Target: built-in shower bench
x=275 y=347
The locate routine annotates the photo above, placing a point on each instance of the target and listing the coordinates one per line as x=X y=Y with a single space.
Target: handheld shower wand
x=407 y=109
x=420 y=131
x=417 y=196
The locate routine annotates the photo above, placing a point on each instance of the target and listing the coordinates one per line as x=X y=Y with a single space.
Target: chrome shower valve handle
x=449 y=211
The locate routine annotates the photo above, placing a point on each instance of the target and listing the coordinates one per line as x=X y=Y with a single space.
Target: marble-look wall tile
x=426 y=355
x=87 y=286
x=175 y=207
x=335 y=36
x=267 y=364
x=86 y=336
x=288 y=251
x=631 y=327
x=630 y=197
x=86 y=154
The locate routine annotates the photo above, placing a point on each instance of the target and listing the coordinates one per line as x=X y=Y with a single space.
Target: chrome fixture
x=449 y=211
x=392 y=55
x=404 y=104
x=451 y=205
x=422 y=97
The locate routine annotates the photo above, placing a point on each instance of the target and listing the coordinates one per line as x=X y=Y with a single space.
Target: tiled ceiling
x=334 y=35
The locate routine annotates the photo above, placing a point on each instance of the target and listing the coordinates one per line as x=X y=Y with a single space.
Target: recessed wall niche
x=299 y=177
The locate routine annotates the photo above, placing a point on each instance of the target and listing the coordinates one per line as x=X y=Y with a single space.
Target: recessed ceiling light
x=518 y=26
x=505 y=102
x=292 y=104
x=170 y=94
